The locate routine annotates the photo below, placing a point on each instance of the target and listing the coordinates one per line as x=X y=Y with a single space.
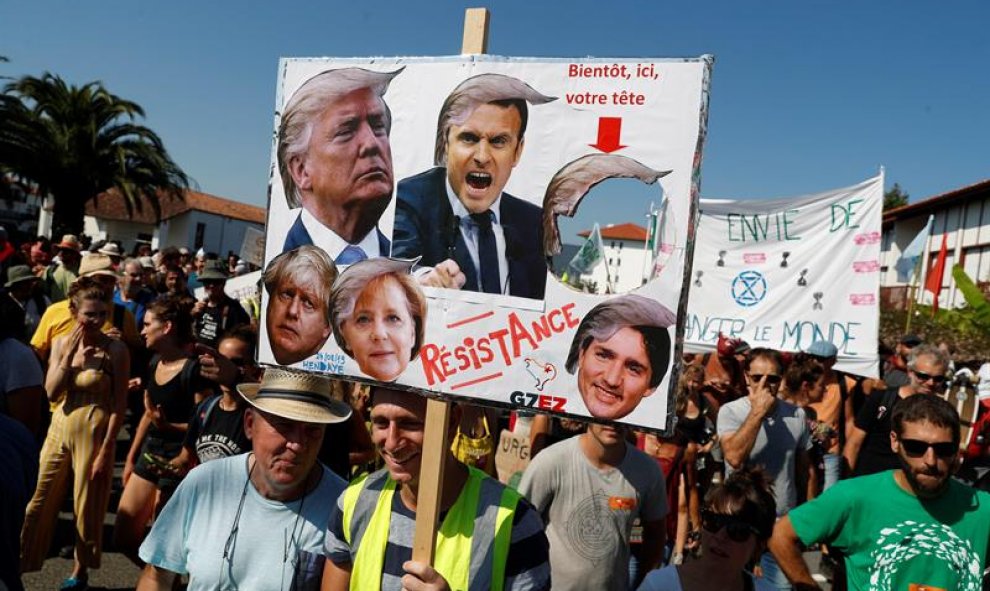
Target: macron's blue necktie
x=487 y=252
x=350 y=255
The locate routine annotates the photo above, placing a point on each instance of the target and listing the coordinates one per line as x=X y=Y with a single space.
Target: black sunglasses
x=915 y=448
x=772 y=380
x=925 y=377
x=738 y=530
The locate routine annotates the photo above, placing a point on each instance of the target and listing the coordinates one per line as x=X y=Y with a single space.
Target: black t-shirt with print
x=874 y=417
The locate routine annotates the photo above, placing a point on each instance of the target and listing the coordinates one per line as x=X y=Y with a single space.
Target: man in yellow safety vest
x=490 y=537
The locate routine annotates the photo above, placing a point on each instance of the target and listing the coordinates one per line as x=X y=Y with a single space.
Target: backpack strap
x=189 y=372
x=843 y=396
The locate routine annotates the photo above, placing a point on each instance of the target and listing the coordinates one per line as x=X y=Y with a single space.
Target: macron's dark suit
x=298 y=236
x=425 y=226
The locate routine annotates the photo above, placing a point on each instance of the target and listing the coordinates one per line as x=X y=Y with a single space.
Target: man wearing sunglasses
x=867 y=450
x=913 y=528
x=762 y=430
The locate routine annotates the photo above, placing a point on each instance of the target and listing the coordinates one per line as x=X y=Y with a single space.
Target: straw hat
x=296 y=396
x=69 y=241
x=147 y=263
x=111 y=250
x=96 y=264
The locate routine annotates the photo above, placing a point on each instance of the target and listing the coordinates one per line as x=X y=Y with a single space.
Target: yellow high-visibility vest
x=472 y=542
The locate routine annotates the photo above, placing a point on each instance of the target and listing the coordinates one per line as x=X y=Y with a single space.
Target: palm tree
x=74 y=143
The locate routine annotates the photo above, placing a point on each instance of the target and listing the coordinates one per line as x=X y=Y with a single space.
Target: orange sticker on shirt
x=917 y=587
x=624 y=504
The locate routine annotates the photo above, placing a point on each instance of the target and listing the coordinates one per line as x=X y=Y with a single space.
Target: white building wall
x=125 y=232
x=94 y=228
x=626 y=265
x=967 y=230
x=220 y=234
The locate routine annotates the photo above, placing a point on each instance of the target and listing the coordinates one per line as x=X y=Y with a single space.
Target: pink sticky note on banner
x=862 y=299
x=867 y=238
x=754 y=258
x=866 y=266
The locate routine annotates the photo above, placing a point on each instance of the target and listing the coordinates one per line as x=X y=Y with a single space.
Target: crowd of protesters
x=235 y=477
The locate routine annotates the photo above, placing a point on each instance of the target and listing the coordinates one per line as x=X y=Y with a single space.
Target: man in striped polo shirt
x=369 y=539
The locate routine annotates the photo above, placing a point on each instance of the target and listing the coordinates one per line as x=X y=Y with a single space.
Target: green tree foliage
x=74 y=143
x=975 y=300
x=894 y=197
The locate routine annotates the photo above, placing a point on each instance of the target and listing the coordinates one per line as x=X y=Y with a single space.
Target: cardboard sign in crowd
x=414 y=205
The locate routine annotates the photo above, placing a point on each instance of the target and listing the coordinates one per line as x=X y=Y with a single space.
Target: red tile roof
x=619 y=232
x=930 y=205
x=110 y=205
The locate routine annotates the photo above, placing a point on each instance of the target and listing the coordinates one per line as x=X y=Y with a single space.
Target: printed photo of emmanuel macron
x=456 y=215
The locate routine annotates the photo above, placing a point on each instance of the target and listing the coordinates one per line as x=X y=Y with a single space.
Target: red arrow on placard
x=609 y=130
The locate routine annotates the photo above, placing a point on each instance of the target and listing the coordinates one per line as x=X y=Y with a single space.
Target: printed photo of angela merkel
x=378 y=314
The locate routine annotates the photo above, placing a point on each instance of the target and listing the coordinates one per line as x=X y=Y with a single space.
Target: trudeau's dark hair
x=748 y=495
x=925 y=408
x=648 y=317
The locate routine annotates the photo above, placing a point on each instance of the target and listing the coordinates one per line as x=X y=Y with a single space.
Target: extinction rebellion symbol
x=749 y=288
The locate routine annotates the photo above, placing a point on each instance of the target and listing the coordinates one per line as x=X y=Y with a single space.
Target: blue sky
x=807 y=95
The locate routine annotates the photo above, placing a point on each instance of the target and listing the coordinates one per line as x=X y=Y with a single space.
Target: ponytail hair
x=176 y=309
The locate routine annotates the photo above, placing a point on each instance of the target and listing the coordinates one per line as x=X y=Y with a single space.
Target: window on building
x=200 y=235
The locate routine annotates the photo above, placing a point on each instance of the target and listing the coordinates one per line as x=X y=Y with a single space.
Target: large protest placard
x=784 y=273
x=461 y=166
x=253 y=246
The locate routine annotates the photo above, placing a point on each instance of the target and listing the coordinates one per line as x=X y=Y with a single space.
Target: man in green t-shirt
x=910 y=529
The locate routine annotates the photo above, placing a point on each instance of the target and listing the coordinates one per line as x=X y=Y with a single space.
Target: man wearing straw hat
x=57 y=279
x=490 y=537
x=255 y=521
x=112 y=250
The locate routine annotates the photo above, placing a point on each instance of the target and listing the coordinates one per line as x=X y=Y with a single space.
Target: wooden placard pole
x=436 y=439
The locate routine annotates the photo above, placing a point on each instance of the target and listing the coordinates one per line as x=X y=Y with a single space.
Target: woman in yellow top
x=87 y=379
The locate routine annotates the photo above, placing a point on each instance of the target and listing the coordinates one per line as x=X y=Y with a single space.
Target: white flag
x=909 y=258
